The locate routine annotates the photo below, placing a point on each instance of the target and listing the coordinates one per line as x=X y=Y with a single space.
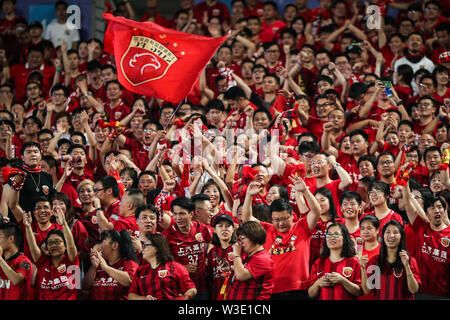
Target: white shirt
x=424 y=63
x=57 y=33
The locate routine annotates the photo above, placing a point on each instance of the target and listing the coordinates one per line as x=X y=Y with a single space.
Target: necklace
x=34 y=181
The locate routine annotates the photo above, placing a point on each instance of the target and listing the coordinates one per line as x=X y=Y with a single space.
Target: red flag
x=155 y=61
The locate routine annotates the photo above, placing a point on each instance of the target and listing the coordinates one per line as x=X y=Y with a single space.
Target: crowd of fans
x=309 y=161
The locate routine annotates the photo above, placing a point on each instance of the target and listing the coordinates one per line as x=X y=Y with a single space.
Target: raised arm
x=252 y=189
x=314 y=213
x=29 y=234
x=68 y=237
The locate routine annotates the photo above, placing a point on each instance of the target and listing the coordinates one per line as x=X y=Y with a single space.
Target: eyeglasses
x=242 y=238
x=333 y=235
x=147 y=244
x=54 y=242
x=5 y=91
x=168 y=113
x=308 y=155
x=424 y=105
x=149 y=130
x=98 y=190
x=278 y=220
x=32 y=88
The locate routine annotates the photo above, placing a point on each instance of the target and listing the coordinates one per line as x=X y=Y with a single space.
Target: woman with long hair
x=396 y=273
x=113 y=265
x=328 y=214
x=336 y=275
x=212 y=189
x=161 y=278
x=220 y=254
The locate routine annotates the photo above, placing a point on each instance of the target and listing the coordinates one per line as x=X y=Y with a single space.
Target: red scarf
x=38 y=169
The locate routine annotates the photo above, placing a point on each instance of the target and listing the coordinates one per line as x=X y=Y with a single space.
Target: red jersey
x=139 y=152
x=318 y=235
x=260 y=286
x=127 y=223
x=165 y=282
x=118 y=112
x=106 y=287
x=393 y=284
x=113 y=212
x=348 y=268
x=268 y=31
x=80 y=236
x=57 y=283
x=20 y=264
x=216 y=275
x=432 y=258
x=75 y=179
x=392 y=215
x=290 y=253
x=89 y=220
x=191 y=248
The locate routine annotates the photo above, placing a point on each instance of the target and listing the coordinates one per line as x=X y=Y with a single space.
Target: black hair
x=184 y=203
x=281 y=204
x=348 y=249
x=123 y=238
x=29 y=144
x=350 y=195
x=382 y=258
x=145 y=207
x=109 y=182
x=13 y=229
x=327 y=194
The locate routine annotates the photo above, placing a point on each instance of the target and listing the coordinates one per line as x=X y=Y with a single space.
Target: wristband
x=58 y=70
x=440 y=117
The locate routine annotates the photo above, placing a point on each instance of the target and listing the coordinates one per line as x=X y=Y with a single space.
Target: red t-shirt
x=268 y=31
x=290 y=254
x=20 y=264
x=260 y=286
x=127 y=223
x=106 y=287
x=81 y=236
x=350 y=164
x=165 y=282
x=113 y=212
x=139 y=152
x=57 y=283
x=118 y=112
x=393 y=284
x=191 y=248
x=216 y=275
x=432 y=258
x=348 y=268
x=89 y=220
x=19 y=74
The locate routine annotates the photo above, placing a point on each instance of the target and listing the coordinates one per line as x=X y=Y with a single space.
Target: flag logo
x=199 y=237
x=445 y=242
x=162 y=273
x=145 y=60
x=347 y=271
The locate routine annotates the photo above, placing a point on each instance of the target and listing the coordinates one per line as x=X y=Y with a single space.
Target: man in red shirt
x=379 y=193
x=443 y=41
x=15 y=267
x=131 y=199
x=433 y=238
x=321 y=166
x=270 y=25
x=188 y=241
x=106 y=201
x=19 y=73
x=288 y=242
x=237 y=100
x=204 y=10
x=115 y=108
x=78 y=162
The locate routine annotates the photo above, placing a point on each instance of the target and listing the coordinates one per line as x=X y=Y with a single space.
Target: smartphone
x=387 y=88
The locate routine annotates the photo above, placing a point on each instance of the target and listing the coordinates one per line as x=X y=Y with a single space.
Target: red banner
x=155 y=61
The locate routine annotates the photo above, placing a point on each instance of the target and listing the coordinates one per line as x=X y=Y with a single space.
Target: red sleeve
x=315 y=273
x=130 y=267
x=258 y=266
x=415 y=270
x=184 y=280
x=115 y=174
x=278 y=105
